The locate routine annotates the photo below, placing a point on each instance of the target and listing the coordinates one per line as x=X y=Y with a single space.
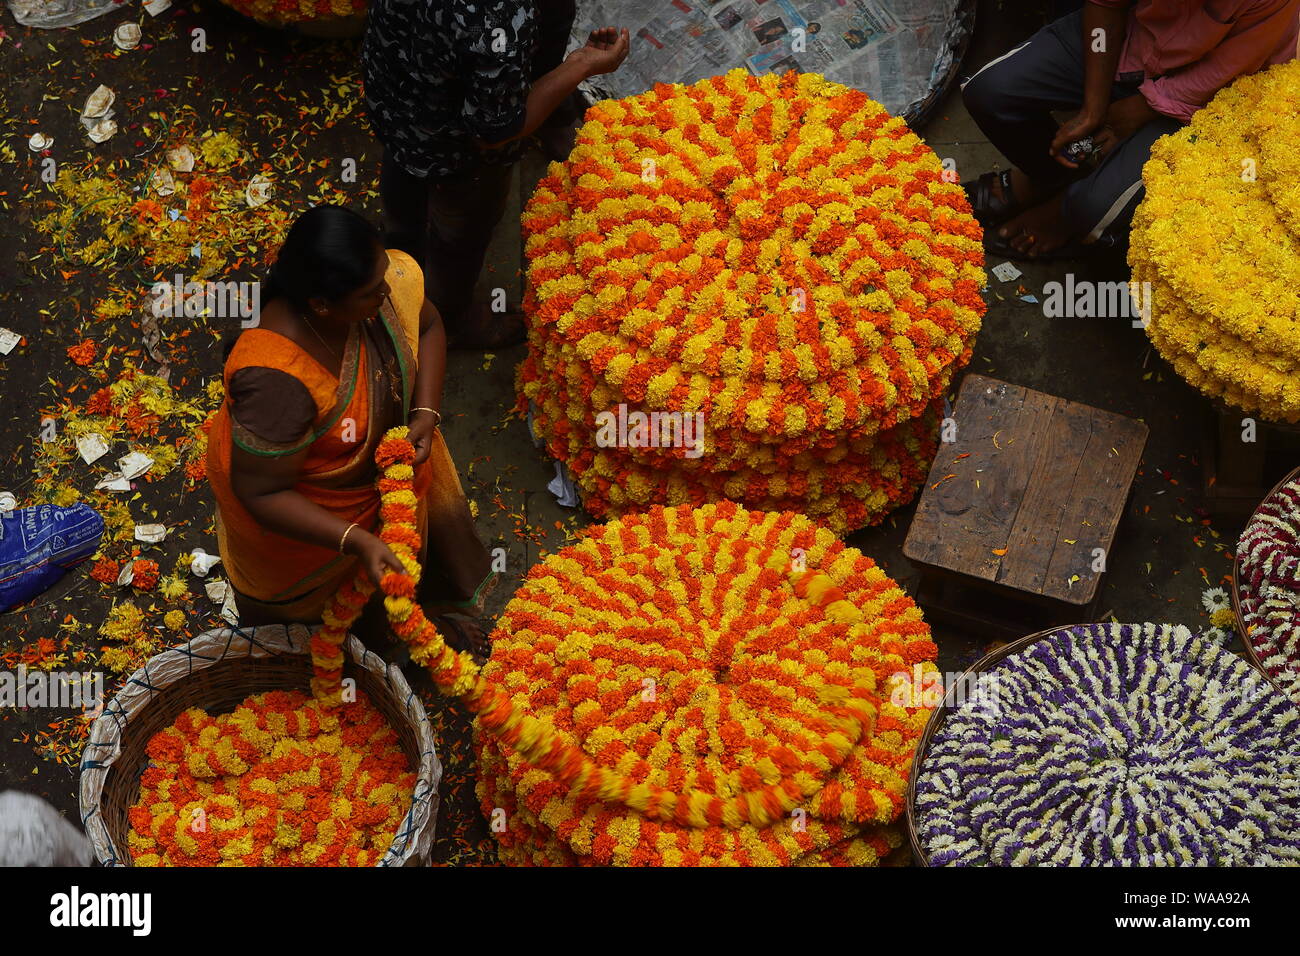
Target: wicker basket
x=937 y=717
x=217 y=671
x=1251 y=655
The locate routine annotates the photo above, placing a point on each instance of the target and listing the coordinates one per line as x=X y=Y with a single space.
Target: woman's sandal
x=463 y=634
x=990 y=208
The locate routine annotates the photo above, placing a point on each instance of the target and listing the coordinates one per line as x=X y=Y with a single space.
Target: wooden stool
x=1020 y=508
x=1236 y=473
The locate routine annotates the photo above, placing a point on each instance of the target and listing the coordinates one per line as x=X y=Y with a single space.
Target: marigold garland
x=282 y=781
x=1211 y=237
x=713 y=650
x=776 y=254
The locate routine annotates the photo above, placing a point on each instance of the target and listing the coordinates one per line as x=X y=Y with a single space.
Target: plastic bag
x=51 y=14
x=38 y=545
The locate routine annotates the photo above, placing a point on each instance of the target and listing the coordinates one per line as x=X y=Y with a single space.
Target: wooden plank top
x=1030 y=488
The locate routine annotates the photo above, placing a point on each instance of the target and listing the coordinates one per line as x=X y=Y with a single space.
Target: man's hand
x=1081 y=124
x=1124 y=118
x=420 y=434
x=605 y=51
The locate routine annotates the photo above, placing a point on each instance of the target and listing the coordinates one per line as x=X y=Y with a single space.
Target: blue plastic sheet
x=39 y=544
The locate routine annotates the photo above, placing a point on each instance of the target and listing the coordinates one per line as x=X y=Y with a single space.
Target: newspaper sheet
x=894 y=50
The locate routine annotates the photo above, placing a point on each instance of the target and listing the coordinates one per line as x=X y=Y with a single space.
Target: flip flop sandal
x=988 y=206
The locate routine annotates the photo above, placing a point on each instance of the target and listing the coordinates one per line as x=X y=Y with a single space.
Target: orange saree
x=283 y=579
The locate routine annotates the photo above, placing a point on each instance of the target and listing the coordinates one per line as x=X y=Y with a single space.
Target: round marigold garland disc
x=667 y=646
x=1115 y=744
x=1211 y=238
x=775 y=255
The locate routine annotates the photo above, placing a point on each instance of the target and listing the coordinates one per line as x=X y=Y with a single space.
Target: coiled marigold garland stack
x=728 y=653
x=774 y=258
x=1218 y=238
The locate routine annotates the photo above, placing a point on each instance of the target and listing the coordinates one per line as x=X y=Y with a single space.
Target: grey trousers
x=1011 y=99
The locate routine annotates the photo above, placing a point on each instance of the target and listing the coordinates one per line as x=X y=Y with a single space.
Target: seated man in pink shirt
x=1135 y=72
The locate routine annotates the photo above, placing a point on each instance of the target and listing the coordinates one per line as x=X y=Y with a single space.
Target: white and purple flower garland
x=1116 y=745
x=1268 y=585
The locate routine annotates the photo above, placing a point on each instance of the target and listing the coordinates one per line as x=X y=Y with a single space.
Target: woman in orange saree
x=346 y=346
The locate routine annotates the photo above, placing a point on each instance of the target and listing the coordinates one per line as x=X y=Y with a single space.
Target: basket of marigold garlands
x=217 y=752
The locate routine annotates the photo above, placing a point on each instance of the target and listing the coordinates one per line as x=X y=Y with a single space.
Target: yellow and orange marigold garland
x=673 y=649
x=775 y=254
x=284 y=780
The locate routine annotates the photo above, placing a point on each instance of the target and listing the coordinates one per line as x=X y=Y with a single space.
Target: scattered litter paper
x=180 y=159
x=150 y=533
x=102 y=130
x=201 y=562
x=156 y=7
x=8 y=341
x=128 y=573
x=228 y=610
x=135 y=464
x=163 y=182
x=126 y=36
x=216 y=590
x=1006 y=272
x=7 y=502
x=38 y=142
x=91 y=447
x=1031 y=299
x=258 y=190
x=113 y=482
x=565 y=491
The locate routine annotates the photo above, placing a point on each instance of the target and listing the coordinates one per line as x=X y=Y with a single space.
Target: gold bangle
x=437 y=415
x=343 y=540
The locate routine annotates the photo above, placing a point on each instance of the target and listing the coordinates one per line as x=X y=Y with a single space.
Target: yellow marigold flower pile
x=1218 y=238
x=748 y=288
x=284 y=780
x=738 y=656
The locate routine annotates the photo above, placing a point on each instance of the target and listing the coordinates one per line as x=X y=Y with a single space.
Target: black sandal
x=990 y=208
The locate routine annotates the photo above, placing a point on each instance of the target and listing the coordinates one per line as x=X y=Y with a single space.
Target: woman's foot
x=463 y=634
x=1038 y=231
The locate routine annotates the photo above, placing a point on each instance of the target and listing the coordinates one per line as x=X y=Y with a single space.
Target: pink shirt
x=1189 y=50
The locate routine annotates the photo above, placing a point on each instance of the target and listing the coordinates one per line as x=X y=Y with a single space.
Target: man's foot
x=1038 y=231
x=485 y=330
x=557 y=141
x=463 y=634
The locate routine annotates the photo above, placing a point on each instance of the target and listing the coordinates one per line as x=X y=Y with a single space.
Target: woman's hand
x=376 y=557
x=420 y=434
